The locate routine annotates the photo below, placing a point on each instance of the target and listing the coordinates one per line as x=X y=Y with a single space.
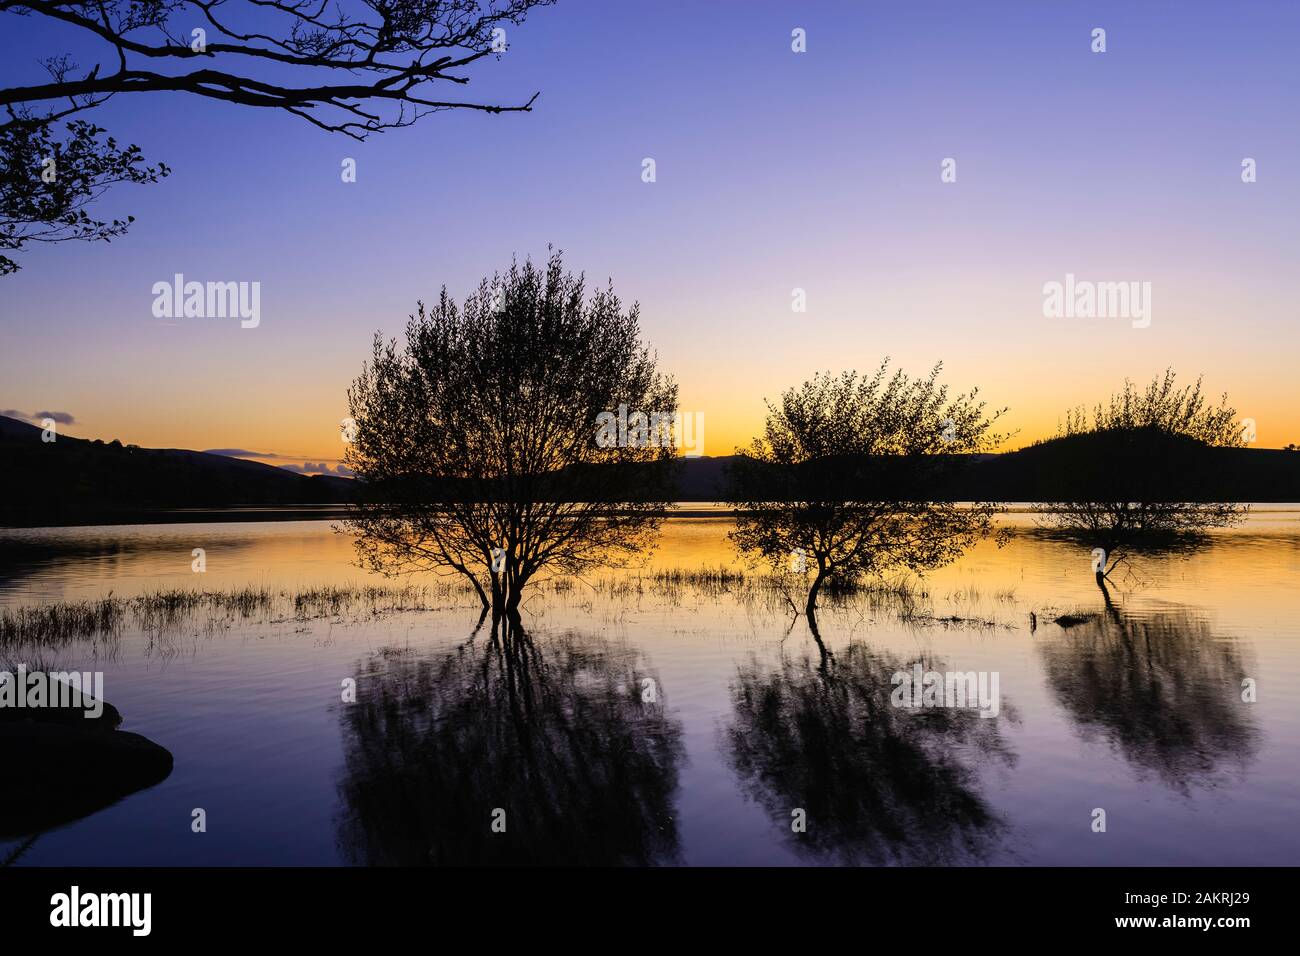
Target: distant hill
x=75 y=480
x=1063 y=468
x=1169 y=469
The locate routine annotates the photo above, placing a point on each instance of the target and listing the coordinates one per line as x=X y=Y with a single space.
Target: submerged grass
x=719 y=580
x=330 y=601
x=165 y=612
x=776 y=593
x=53 y=623
x=64 y=621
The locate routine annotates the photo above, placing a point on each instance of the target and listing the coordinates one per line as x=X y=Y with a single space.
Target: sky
x=775 y=171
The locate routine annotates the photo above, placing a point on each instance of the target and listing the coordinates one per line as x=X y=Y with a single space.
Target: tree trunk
x=506 y=595
x=1105 y=593
x=482 y=595
x=498 y=598
x=811 y=607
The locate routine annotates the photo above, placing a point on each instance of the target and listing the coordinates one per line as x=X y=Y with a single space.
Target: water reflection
x=1162 y=689
x=567 y=734
x=880 y=784
x=23 y=558
x=1145 y=708
x=58 y=563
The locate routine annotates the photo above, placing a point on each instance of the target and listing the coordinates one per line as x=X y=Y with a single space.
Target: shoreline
x=318 y=512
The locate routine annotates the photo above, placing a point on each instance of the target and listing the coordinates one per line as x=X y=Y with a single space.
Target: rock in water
x=57 y=766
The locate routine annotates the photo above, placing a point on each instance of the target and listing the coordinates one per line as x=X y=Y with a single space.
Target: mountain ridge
x=72 y=480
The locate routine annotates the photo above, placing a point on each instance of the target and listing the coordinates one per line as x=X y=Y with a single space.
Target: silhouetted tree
x=849 y=474
x=561 y=734
x=879 y=783
x=354 y=67
x=1139 y=481
x=80 y=168
x=481 y=447
x=1163 y=689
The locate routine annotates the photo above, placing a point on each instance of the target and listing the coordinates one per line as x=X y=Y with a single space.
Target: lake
x=650 y=717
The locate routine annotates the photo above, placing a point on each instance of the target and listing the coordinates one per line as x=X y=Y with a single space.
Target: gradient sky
x=776 y=170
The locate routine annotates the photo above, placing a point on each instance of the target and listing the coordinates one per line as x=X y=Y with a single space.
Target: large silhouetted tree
x=567 y=737
x=1138 y=476
x=849 y=474
x=354 y=67
x=480 y=447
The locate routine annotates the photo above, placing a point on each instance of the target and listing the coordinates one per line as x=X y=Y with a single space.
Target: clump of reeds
x=971 y=594
x=161 y=610
x=956 y=620
x=334 y=600
x=54 y=623
x=719 y=580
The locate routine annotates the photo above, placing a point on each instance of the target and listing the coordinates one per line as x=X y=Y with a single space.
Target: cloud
x=239 y=453
x=63 y=418
x=306 y=468
x=320 y=468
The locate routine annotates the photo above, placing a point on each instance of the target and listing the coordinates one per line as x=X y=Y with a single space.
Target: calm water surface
x=1136 y=710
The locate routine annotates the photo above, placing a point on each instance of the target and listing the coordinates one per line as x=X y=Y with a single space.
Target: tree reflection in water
x=879 y=783
x=554 y=731
x=1162 y=689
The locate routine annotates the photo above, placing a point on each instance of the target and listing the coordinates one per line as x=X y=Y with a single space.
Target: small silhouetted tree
x=481 y=448
x=850 y=475
x=1163 y=687
x=47 y=181
x=880 y=784
x=1137 y=477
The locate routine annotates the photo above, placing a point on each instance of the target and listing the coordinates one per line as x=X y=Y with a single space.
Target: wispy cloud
x=61 y=418
x=240 y=453
x=320 y=468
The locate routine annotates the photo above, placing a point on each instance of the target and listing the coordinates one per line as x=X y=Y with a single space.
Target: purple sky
x=776 y=171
